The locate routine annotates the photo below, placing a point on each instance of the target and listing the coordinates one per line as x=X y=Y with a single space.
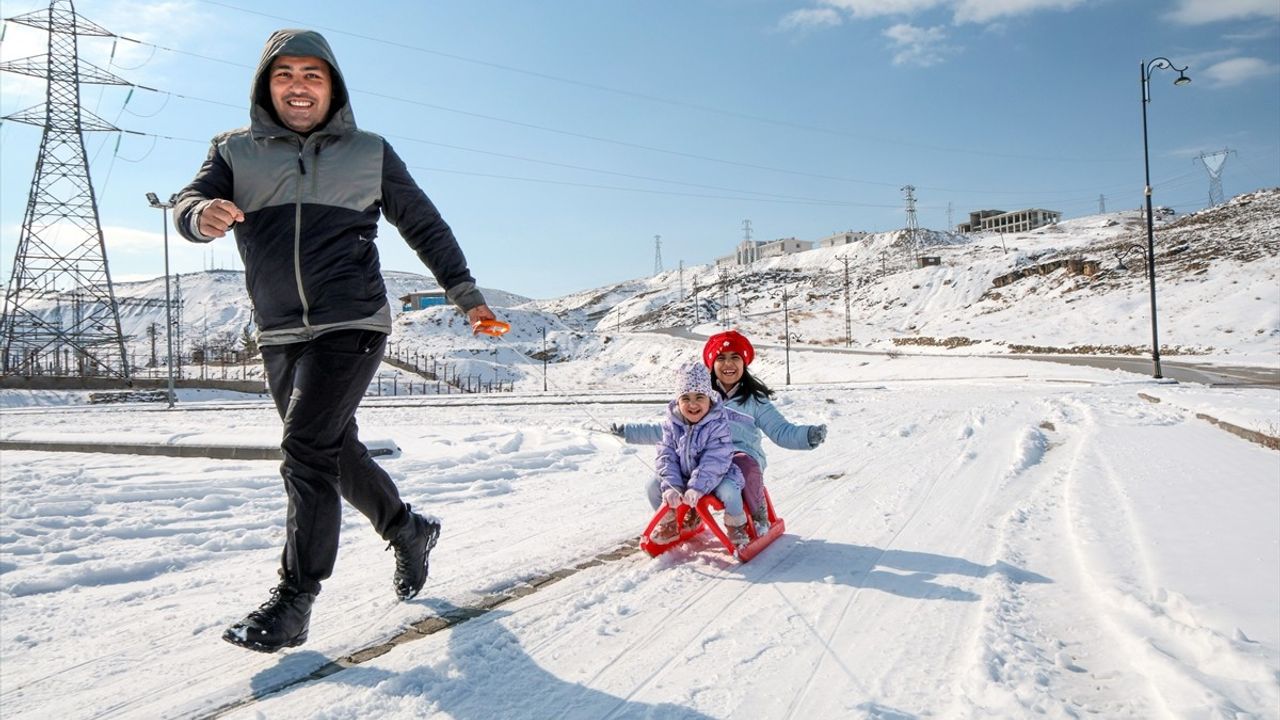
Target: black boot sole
x=247 y=644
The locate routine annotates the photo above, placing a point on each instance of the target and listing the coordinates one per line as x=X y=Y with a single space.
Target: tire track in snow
x=967 y=437
x=1152 y=624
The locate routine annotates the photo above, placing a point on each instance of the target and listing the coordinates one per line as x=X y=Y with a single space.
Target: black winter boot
x=282 y=621
x=413 y=545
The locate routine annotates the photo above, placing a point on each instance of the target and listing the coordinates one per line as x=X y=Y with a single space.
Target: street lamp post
x=1146 y=69
x=168 y=302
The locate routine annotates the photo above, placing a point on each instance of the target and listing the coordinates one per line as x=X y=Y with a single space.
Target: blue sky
x=558 y=138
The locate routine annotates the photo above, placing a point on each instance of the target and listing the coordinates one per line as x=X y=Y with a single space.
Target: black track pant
x=317 y=386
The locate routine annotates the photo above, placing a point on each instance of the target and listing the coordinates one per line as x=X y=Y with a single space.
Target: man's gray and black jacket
x=311 y=207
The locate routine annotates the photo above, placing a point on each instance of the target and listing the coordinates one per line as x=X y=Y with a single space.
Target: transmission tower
x=61 y=254
x=1102 y=204
x=913 y=228
x=657 y=254
x=1213 y=164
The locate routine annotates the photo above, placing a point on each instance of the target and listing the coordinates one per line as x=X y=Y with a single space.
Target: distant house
x=848 y=237
x=423 y=299
x=1016 y=221
x=749 y=251
x=784 y=246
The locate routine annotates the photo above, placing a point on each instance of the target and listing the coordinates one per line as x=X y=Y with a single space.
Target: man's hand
x=478 y=313
x=217 y=217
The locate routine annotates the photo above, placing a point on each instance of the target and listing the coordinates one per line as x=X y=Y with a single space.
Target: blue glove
x=817 y=434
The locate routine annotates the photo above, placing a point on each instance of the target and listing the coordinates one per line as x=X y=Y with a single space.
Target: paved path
x=1205 y=373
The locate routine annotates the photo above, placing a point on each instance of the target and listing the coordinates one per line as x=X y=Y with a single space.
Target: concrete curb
x=219 y=452
x=1253 y=436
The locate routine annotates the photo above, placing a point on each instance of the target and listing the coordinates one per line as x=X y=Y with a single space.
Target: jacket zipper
x=297 y=241
x=688 y=445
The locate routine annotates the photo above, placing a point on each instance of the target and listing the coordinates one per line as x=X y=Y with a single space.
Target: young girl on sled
x=727 y=355
x=695 y=457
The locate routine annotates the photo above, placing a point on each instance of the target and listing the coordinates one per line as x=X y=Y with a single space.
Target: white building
x=1016 y=221
x=848 y=237
x=749 y=251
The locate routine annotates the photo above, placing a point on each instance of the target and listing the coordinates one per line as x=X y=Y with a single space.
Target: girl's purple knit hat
x=693 y=377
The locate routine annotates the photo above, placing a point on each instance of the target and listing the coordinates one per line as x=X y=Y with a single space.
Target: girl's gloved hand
x=672 y=498
x=817 y=434
x=691 y=497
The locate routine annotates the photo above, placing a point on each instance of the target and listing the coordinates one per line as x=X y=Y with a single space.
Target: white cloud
x=882 y=8
x=971 y=11
x=810 y=18
x=1199 y=12
x=1238 y=71
x=918 y=46
x=983 y=11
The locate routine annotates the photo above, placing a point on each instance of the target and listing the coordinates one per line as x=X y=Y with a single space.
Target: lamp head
x=151 y=198
x=1182 y=78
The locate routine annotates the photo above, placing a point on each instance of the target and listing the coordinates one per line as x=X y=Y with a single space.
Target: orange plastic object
x=709 y=503
x=496 y=328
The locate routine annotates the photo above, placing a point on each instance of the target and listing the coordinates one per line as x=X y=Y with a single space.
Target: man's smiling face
x=301 y=91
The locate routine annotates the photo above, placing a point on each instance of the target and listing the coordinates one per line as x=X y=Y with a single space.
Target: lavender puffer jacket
x=697 y=456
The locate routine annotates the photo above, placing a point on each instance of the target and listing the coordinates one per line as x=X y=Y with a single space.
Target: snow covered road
x=996 y=546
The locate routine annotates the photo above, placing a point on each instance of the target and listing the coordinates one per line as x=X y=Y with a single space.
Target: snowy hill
x=212 y=307
x=1217 y=279
x=1218 y=285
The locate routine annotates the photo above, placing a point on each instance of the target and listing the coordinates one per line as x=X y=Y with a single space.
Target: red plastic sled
x=706 y=505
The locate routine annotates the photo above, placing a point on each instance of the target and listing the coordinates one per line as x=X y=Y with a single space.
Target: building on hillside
x=848 y=237
x=783 y=246
x=1007 y=222
x=422 y=299
x=749 y=251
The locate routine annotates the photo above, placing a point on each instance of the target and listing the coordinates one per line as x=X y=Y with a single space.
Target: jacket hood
x=298 y=43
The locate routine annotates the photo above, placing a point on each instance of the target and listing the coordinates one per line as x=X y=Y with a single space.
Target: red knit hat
x=729 y=341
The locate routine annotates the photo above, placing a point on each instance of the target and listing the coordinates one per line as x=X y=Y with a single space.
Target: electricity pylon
x=61 y=258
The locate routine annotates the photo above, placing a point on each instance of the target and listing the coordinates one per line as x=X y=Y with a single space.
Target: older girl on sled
x=746 y=401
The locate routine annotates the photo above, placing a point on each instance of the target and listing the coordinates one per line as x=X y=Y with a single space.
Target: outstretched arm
x=638 y=433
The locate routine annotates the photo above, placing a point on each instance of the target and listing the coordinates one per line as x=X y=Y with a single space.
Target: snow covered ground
x=977 y=538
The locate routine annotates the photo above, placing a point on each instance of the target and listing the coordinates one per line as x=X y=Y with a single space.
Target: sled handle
x=496 y=328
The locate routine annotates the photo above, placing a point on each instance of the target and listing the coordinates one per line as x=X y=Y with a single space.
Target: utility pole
x=151 y=333
x=848 y=321
x=786 y=330
x=1102 y=204
x=950 y=226
x=724 y=298
x=544 y=358
x=657 y=254
x=177 y=323
x=680 y=280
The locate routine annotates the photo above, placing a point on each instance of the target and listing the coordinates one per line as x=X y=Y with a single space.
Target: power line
x=654 y=98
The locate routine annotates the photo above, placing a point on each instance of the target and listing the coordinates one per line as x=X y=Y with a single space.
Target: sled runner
x=708 y=504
